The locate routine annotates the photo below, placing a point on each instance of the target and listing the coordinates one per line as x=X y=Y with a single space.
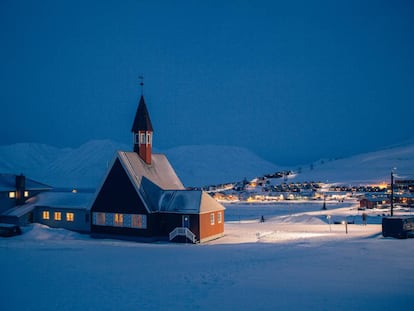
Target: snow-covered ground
x=294 y=260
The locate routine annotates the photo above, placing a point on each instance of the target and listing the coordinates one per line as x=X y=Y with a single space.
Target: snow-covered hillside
x=86 y=166
x=81 y=167
x=195 y=165
x=207 y=165
x=372 y=167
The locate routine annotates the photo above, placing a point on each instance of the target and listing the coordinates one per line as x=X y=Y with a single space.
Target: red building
x=142 y=198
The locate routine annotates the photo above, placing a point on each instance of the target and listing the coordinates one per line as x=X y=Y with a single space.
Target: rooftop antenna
x=141 y=78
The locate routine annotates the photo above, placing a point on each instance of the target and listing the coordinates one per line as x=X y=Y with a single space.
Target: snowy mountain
x=210 y=165
x=372 y=167
x=86 y=166
x=80 y=167
x=195 y=165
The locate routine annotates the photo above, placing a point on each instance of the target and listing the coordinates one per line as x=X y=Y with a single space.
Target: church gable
x=118 y=194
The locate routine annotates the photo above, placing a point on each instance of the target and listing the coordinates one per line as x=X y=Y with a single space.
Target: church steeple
x=142 y=132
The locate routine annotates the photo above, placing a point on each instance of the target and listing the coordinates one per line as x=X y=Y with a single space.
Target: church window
x=149 y=139
x=118 y=220
x=139 y=221
x=212 y=219
x=99 y=219
x=219 y=220
x=12 y=194
x=142 y=138
x=26 y=194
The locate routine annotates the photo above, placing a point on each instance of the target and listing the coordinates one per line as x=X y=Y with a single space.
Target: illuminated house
x=15 y=190
x=66 y=210
x=142 y=198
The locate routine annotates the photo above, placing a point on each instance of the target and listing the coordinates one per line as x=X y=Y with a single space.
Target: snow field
x=292 y=261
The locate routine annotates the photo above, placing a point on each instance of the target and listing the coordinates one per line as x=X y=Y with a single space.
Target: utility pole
x=392 y=193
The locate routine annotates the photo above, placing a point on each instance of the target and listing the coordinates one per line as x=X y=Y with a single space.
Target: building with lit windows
x=15 y=191
x=142 y=198
x=67 y=210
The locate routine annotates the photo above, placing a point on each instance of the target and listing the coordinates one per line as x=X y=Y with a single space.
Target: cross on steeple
x=141 y=78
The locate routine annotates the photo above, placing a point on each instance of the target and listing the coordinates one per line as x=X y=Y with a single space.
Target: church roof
x=177 y=201
x=142 y=121
x=160 y=188
x=160 y=171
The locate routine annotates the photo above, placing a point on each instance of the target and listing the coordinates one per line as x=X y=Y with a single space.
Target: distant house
x=15 y=191
x=373 y=201
x=142 y=198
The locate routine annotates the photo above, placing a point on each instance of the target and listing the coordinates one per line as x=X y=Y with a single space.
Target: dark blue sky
x=292 y=82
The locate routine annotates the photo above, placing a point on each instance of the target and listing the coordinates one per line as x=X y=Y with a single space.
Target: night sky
x=293 y=81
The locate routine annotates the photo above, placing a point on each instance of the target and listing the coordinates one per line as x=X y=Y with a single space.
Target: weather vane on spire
x=141 y=78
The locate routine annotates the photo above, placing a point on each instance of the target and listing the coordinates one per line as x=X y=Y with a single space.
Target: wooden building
x=371 y=202
x=66 y=210
x=142 y=198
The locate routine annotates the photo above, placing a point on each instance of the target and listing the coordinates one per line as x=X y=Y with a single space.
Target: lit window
x=70 y=217
x=58 y=216
x=219 y=218
x=212 y=219
x=118 y=220
x=12 y=194
x=46 y=215
x=26 y=194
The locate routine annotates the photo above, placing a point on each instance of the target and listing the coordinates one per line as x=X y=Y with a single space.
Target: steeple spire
x=141 y=78
x=142 y=130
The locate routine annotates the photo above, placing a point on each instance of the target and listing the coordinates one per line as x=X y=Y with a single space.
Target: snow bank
x=294 y=264
x=40 y=232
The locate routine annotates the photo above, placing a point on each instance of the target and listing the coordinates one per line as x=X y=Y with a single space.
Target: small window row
x=58 y=216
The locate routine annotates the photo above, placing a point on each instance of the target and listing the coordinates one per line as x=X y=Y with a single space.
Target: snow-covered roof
x=21 y=210
x=160 y=188
x=177 y=201
x=60 y=200
x=65 y=199
x=160 y=172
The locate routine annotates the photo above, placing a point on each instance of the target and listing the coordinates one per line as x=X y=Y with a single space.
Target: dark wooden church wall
x=118 y=195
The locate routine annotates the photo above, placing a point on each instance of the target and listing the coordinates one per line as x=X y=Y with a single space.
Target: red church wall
x=210 y=230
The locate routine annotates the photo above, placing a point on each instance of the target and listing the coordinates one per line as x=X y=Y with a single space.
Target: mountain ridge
x=196 y=165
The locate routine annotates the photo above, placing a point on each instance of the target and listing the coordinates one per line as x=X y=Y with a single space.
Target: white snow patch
x=290 y=262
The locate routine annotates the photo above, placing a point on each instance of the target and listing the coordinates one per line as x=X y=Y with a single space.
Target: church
x=141 y=197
